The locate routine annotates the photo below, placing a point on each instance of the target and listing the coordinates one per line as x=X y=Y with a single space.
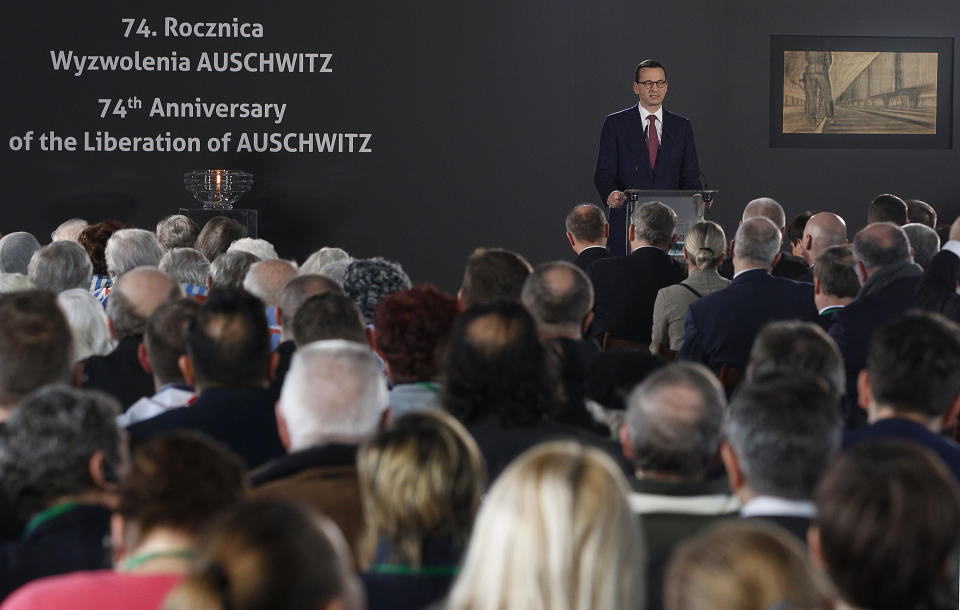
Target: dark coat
x=119 y=373
x=589 y=255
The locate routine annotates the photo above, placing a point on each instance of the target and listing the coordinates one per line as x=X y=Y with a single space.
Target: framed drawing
x=861 y=92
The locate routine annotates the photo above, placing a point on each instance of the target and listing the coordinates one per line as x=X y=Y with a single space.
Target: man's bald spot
x=146 y=288
x=679 y=403
x=491 y=333
x=266 y=279
x=768 y=208
x=824 y=229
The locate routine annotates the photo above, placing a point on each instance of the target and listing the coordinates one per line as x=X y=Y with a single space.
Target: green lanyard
x=387 y=568
x=50 y=513
x=430 y=386
x=138 y=560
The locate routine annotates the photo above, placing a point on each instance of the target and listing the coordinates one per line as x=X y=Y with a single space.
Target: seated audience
x=824 y=230
x=60 y=457
x=14 y=282
x=229 y=269
x=69 y=229
x=88 y=323
x=924 y=242
x=795 y=232
x=743 y=566
x=787 y=348
x=260 y=248
x=336 y=269
x=787 y=265
x=555 y=531
x=173 y=488
x=177 y=231
x=16 y=249
x=60 y=266
x=268 y=556
x=492 y=273
x=316 y=261
x=189 y=268
x=887 y=530
x=94 y=240
x=368 y=281
x=587 y=232
x=938 y=288
x=921 y=212
x=412 y=330
x=329 y=316
x=835 y=283
x=887 y=208
x=265 y=280
x=229 y=364
x=420 y=483
x=703 y=251
x=217 y=235
x=131 y=248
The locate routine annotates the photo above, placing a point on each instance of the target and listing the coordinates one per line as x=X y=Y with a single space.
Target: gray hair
x=69 y=229
x=14 y=282
x=336 y=270
x=784 y=431
x=125 y=314
x=924 y=241
x=767 y=208
x=51 y=436
x=177 y=231
x=60 y=266
x=16 y=249
x=230 y=268
x=298 y=290
x=558 y=293
x=587 y=223
x=675 y=418
x=368 y=281
x=334 y=392
x=655 y=223
x=316 y=261
x=881 y=244
x=757 y=241
x=186 y=265
x=705 y=244
x=266 y=279
x=788 y=347
x=260 y=248
x=130 y=248
x=88 y=321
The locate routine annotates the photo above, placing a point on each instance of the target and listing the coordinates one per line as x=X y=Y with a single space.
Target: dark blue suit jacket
x=721 y=326
x=905 y=429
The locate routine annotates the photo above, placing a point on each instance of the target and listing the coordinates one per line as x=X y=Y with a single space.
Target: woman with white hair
x=555 y=533
x=91 y=332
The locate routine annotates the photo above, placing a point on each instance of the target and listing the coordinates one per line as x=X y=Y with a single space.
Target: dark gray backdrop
x=485 y=117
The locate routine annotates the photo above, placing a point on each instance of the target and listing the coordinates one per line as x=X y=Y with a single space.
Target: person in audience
x=795 y=231
x=824 y=230
x=672 y=434
x=336 y=270
x=787 y=265
x=316 y=261
x=177 y=231
x=938 y=288
x=835 y=283
x=175 y=485
x=889 y=279
x=16 y=249
x=412 y=330
x=229 y=269
x=69 y=229
x=924 y=242
x=368 y=281
x=190 y=268
x=329 y=316
x=58 y=464
x=14 y=282
x=420 y=483
x=135 y=296
x=229 y=364
x=265 y=280
x=587 y=232
x=266 y=556
x=260 y=248
x=88 y=323
x=746 y=565
x=785 y=348
x=492 y=273
x=60 y=266
x=910 y=387
x=94 y=240
x=887 y=530
x=164 y=345
x=720 y=327
x=626 y=287
x=703 y=252
x=217 y=235
x=921 y=212
x=555 y=531
x=130 y=248
x=781 y=434
x=887 y=208
x=334 y=398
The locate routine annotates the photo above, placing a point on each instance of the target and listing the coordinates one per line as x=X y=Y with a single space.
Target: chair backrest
x=729 y=377
x=610 y=343
x=666 y=352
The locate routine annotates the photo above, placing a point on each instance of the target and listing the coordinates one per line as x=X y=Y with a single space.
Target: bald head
x=767 y=208
x=266 y=279
x=135 y=295
x=297 y=291
x=822 y=231
x=881 y=244
x=559 y=296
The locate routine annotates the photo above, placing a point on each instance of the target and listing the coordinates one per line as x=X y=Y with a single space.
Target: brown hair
x=94 y=240
x=412 y=329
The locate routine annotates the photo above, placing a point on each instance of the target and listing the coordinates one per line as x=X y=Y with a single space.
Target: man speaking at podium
x=633 y=156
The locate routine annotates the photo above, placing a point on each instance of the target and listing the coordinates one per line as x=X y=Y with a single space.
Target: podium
x=246 y=217
x=688 y=204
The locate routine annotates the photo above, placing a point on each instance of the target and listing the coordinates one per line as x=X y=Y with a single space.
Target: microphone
x=707 y=197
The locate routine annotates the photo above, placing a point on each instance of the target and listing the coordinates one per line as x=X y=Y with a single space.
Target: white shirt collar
x=738 y=273
x=644 y=113
x=771 y=506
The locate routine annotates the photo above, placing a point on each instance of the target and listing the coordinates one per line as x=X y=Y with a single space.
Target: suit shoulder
x=620 y=115
x=673 y=116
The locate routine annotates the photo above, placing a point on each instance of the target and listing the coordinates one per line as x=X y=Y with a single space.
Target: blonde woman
x=703 y=251
x=554 y=533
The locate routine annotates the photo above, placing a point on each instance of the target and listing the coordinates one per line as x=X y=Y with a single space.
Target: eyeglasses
x=650 y=83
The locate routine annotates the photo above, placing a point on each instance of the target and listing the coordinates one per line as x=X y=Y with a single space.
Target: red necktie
x=653 y=140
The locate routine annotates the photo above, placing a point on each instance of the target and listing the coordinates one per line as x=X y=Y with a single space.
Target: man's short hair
x=558 y=293
x=924 y=241
x=881 y=244
x=784 y=432
x=266 y=279
x=298 y=290
x=165 y=336
x=60 y=266
x=69 y=229
x=328 y=316
x=587 y=223
x=757 y=241
x=334 y=392
x=493 y=273
x=370 y=280
x=230 y=268
x=51 y=436
x=128 y=316
x=186 y=265
x=36 y=345
x=16 y=249
x=648 y=63
x=655 y=223
x=767 y=208
x=921 y=212
x=675 y=419
x=797 y=225
x=888 y=514
x=217 y=235
x=260 y=248
x=177 y=231
x=229 y=341
x=130 y=248
x=887 y=208
x=836 y=271
x=913 y=362
x=789 y=347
